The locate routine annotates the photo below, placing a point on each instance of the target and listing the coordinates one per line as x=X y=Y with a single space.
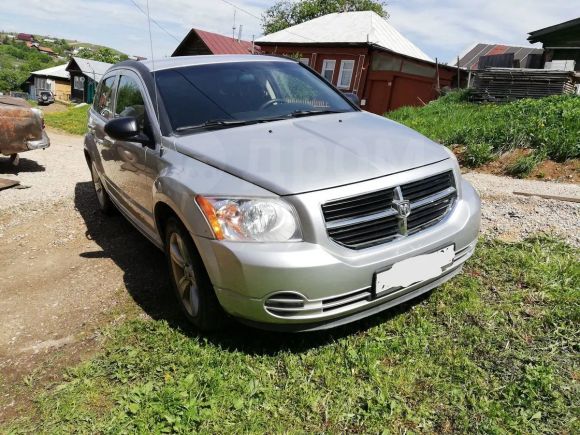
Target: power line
x=260 y=19
x=153 y=21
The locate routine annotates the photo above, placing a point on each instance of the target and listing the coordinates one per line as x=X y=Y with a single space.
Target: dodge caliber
x=276 y=200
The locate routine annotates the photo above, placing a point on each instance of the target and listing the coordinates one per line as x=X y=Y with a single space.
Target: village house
x=55 y=79
x=85 y=74
x=360 y=52
x=199 y=42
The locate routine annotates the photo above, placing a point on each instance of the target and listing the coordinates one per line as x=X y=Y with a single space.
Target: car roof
x=182 y=61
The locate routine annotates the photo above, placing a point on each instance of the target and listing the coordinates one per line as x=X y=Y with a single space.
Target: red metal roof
x=220 y=44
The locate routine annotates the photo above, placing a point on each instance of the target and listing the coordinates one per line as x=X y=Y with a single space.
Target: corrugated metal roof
x=364 y=27
x=55 y=71
x=470 y=57
x=92 y=68
x=220 y=44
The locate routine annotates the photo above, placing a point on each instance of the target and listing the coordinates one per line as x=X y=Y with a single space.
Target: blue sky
x=442 y=28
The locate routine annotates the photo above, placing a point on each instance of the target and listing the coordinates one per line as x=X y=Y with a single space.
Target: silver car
x=276 y=200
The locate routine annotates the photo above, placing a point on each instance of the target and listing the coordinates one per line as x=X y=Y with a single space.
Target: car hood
x=313 y=153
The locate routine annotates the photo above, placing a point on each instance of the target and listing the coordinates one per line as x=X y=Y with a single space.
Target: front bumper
x=244 y=275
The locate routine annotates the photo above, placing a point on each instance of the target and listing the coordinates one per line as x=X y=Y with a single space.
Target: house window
x=328 y=69
x=305 y=60
x=345 y=74
x=79 y=83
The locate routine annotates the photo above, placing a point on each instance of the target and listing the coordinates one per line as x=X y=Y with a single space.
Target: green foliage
x=550 y=123
x=287 y=13
x=17 y=61
x=524 y=165
x=102 y=54
x=493 y=351
x=477 y=154
x=73 y=120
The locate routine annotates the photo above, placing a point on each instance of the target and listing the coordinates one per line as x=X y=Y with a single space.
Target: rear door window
x=104 y=100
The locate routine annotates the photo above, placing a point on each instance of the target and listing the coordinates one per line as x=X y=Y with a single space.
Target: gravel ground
x=47 y=175
x=513 y=217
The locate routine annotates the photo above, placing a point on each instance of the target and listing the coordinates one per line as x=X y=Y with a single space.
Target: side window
x=104 y=100
x=130 y=101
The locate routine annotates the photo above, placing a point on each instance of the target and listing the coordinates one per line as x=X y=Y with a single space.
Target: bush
x=550 y=123
x=524 y=165
x=478 y=154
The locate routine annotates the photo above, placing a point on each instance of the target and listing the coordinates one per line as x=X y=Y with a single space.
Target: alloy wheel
x=183 y=274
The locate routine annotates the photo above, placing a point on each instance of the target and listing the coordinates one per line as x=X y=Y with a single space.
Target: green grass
x=550 y=124
x=72 y=120
x=524 y=165
x=493 y=351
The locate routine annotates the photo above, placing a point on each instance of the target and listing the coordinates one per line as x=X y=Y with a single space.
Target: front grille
x=370 y=219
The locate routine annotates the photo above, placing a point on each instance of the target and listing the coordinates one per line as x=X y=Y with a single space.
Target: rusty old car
x=21 y=128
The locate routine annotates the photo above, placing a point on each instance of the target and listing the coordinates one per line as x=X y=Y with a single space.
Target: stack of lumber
x=508 y=84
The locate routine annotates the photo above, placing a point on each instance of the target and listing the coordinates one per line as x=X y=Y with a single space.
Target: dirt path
x=66 y=271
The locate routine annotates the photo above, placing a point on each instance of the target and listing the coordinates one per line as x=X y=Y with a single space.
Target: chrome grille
x=370 y=219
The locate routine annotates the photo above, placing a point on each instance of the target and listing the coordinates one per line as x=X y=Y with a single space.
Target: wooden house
x=360 y=52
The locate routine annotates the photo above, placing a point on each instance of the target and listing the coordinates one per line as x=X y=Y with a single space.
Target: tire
x=190 y=281
x=103 y=200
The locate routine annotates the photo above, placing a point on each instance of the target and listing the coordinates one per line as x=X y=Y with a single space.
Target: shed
x=55 y=79
x=361 y=52
x=200 y=42
x=561 y=42
x=85 y=74
x=481 y=55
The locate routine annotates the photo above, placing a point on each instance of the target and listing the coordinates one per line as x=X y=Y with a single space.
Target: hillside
x=17 y=60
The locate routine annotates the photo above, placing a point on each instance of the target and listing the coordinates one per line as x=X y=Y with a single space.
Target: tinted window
x=130 y=100
x=104 y=100
x=243 y=91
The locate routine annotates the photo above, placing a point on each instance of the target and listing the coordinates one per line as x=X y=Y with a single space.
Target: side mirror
x=126 y=128
x=354 y=99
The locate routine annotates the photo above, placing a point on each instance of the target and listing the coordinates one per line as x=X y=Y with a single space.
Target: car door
x=132 y=162
x=99 y=115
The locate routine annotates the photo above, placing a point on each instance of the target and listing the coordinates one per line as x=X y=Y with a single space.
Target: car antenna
x=153 y=66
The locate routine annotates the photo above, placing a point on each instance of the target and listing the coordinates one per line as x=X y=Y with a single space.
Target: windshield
x=238 y=93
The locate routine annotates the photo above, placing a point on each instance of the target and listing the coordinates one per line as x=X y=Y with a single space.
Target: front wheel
x=190 y=280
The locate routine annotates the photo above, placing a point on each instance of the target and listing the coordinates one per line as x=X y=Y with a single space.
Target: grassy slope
x=73 y=120
x=548 y=124
x=495 y=350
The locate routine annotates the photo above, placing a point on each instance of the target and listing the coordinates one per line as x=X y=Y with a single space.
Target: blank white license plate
x=414 y=270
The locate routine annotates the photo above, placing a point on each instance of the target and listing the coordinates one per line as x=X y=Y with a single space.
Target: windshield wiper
x=217 y=123
x=301 y=113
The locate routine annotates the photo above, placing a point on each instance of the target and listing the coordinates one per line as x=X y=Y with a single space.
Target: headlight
x=250 y=220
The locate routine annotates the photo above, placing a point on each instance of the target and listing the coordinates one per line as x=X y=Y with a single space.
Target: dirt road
x=66 y=271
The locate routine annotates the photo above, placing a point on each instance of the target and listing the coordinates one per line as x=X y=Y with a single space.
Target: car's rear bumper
x=43 y=142
x=336 y=289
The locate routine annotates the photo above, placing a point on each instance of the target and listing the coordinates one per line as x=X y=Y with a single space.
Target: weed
x=478 y=154
x=524 y=165
x=549 y=123
x=72 y=120
x=495 y=350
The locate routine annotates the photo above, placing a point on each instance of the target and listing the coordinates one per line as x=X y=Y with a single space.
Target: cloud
x=118 y=23
x=441 y=28
x=445 y=28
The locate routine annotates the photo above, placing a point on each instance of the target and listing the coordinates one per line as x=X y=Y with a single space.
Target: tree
x=103 y=54
x=287 y=13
